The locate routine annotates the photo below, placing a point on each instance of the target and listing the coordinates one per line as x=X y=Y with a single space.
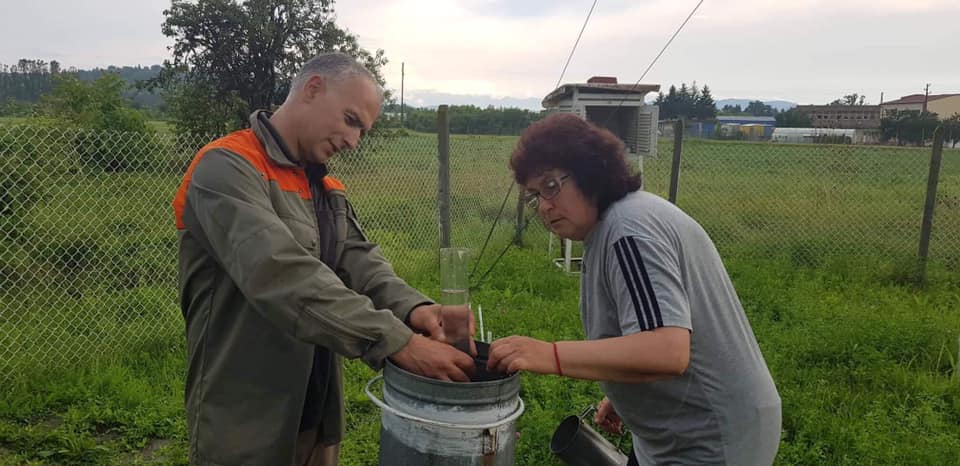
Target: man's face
x=337 y=115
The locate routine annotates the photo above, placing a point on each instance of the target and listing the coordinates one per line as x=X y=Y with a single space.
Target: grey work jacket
x=256 y=299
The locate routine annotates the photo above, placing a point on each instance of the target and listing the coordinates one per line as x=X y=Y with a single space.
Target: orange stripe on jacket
x=245 y=144
x=330 y=184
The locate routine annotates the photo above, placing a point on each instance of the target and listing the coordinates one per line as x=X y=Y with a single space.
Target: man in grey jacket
x=278 y=281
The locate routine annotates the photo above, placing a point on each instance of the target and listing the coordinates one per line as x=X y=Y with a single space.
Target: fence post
x=675 y=167
x=926 y=226
x=443 y=191
x=518 y=236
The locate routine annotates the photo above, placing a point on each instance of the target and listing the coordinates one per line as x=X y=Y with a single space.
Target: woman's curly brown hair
x=593 y=156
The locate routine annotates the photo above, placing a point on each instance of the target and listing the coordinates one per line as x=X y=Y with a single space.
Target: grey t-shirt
x=646 y=265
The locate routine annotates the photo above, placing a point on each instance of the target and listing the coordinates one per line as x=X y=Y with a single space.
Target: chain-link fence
x=87 y=247
x=88 y=244
x=814 y=203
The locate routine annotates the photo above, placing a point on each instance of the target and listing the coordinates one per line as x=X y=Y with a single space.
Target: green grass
x=858 y=201
x=155 y=125
x=160 y=126
x=866 y=371
x=820 y=242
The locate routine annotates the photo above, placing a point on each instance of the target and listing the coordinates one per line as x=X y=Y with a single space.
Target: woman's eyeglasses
x=549 y=189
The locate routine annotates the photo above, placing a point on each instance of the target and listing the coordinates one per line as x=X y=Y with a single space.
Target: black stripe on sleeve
x=647 y=284
x=632 y=279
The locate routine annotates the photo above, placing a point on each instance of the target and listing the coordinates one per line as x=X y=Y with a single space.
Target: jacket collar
x=276 y=148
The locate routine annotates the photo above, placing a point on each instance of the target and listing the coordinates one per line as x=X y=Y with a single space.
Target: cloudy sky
x=512 y=51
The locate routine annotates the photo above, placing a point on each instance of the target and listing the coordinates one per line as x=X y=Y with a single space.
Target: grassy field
x=154 y=125
x=819 y=240
x=160 y=126
x=11 y=120
x=816 y=201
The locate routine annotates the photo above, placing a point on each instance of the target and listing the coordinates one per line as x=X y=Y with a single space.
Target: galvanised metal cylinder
x=428 y=422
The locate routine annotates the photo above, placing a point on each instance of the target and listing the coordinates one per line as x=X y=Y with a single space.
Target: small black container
x=480 y=361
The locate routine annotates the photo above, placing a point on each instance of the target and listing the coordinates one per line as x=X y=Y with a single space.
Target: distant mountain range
x=780 y=105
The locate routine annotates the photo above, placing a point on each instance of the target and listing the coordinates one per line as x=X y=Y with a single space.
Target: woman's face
x=562 y=206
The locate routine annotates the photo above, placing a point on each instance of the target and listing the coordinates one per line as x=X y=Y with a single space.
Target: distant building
x=944 y=105
x=842 y=116
x=825 y=135
x=747 y=120
x=751 y=127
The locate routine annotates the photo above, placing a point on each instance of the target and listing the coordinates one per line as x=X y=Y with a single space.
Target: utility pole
x=443 y=190
x=926 y=96
x=402 y=64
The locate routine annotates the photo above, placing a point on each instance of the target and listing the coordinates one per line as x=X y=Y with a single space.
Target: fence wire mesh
x=88 y=245
x=813 y=203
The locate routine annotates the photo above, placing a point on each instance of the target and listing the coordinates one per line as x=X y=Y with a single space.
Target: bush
x=112 y=136
x=117 y=152
x=20 y=186
x=15 y=264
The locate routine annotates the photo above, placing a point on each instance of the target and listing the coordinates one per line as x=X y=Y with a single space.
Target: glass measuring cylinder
x=454 y=265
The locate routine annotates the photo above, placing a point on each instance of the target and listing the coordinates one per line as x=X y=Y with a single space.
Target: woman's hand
x=516 y=353
x=607 y=418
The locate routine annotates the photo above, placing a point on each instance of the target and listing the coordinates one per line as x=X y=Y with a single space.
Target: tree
x=97 y=105
x=909 y=126
x=687 y=102
x=470 y=119
x=793 y=119
x=101 y=107
x=23 y=84
x=706 y=106
x=850 y=99
x=731 y=109
x=758 y=108
x=684 y=99
x=138 y=91
x=15 y=108
x=669 y=108
x=951 y=129
x=242 y=56
x=25 y=81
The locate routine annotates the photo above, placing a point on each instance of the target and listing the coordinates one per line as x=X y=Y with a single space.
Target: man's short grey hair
x=335 y=67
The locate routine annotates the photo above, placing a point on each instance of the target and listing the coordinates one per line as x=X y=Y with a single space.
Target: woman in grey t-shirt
x=667 y=336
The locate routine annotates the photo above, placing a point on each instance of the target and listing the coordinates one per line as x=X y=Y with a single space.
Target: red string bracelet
x=556 y=357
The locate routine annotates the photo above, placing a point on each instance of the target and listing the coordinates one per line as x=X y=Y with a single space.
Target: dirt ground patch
x=155 y=445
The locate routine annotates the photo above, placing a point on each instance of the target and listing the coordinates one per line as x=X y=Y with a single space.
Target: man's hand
x=453 y=325
x=607 y=418
x=433 y=359
x=516 y=353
